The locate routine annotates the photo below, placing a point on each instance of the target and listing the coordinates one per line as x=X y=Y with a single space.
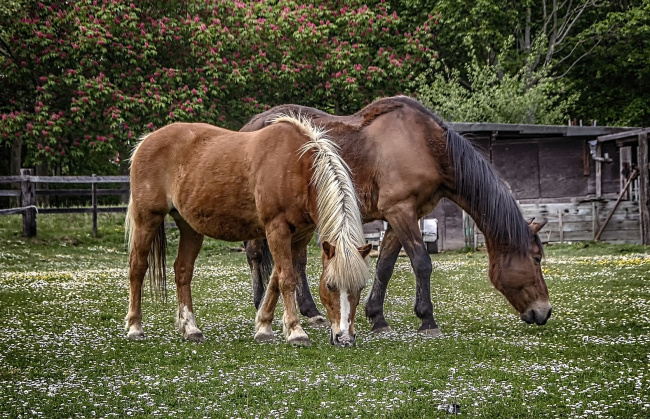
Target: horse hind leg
x=189 y=245
x=142 y=239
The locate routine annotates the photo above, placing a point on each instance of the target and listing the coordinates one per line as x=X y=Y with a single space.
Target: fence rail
x=28 y=193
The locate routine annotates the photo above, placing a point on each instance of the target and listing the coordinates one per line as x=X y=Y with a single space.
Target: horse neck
x=497 y=238
x=478 y=189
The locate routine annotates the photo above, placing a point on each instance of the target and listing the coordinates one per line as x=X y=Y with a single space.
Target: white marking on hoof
x=318 y=321
x=431 y=333
x=264 y=334
x=133 y=329
x=299 y=337
x=186 y=324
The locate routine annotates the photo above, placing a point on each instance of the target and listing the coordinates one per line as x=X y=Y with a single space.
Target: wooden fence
x=28 y=193
x=581 y=221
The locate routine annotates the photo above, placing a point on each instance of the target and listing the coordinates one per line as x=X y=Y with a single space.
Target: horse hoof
x=195 y=337
x=299 y=341
x=135 y=335
x=431 y=333
x=382 y=329
x=318 y=321
x=263 y=337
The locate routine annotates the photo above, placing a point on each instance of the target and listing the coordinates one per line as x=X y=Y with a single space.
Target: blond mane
x=339 y=214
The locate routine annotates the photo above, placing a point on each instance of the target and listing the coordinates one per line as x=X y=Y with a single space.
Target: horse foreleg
x=405 y=225
x=279 y=237
x=388 y=253
x=189 y=246
x=306 y=303
x=264 y=316
x=260 y=262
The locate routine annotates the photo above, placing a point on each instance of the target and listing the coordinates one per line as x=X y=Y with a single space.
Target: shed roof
x=625 y=135
x=521 y=131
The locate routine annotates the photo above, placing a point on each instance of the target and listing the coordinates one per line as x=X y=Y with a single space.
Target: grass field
x=63 y=352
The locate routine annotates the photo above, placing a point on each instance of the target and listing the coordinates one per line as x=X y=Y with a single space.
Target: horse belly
x=232 y=223
x=223 y=209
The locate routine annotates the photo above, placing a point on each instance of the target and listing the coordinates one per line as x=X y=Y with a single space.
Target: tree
x=488 y=94
x=613 y=80
x=87 y=78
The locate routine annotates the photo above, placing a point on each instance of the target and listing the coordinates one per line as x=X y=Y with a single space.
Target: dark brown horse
x=281 y=182
x=404 y=159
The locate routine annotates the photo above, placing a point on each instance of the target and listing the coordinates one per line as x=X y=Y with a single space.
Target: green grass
x=63 y=297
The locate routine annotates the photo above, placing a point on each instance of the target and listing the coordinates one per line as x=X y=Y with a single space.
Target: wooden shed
x=570 y=175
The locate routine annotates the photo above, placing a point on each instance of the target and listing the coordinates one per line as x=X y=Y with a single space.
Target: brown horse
x=404 y=159
x=281 y=182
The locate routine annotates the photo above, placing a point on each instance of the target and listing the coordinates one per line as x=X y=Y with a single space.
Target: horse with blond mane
x=404 y=160
x=280 y=183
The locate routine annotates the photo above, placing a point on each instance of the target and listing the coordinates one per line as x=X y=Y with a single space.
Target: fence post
x=28 y=200
x=94 y=202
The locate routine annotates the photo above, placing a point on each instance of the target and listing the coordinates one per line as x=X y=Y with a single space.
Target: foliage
x=614 y=80
x=63 y=351
x=87 y=78
x=492 y=95
x=599 y=49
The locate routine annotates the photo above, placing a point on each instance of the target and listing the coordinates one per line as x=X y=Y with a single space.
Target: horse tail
x=157 y=271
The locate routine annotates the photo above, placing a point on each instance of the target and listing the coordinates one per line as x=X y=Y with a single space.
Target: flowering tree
x=86 y=78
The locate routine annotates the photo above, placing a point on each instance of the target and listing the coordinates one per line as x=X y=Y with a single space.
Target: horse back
x=225 y=184
x=395 y=147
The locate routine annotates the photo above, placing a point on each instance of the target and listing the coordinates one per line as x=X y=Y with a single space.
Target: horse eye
x=329 y=286
x=538 y=260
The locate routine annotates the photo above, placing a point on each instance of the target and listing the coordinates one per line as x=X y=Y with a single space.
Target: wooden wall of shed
x=518 y=164
x=561 y=169
x=450 y=225
x=611 y=174
x=575 y=222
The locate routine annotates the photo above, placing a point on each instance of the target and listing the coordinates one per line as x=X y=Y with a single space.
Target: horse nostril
x=338 y=336
x=550 y=310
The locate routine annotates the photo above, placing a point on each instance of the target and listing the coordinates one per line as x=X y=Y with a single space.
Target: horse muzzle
x=342 y=339
x=538 y=316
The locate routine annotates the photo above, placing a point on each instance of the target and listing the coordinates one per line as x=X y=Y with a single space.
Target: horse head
x=340 y=298
x=518 y=276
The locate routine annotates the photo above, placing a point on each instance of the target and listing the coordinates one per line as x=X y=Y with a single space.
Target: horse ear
x=535 y=227
x=529 y=221
x=329 y=250
x=365 y=250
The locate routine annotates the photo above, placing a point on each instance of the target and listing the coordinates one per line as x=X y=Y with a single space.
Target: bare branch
x=566 y=57
x=563 y=36
x=577 y=60
x=5 y=50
